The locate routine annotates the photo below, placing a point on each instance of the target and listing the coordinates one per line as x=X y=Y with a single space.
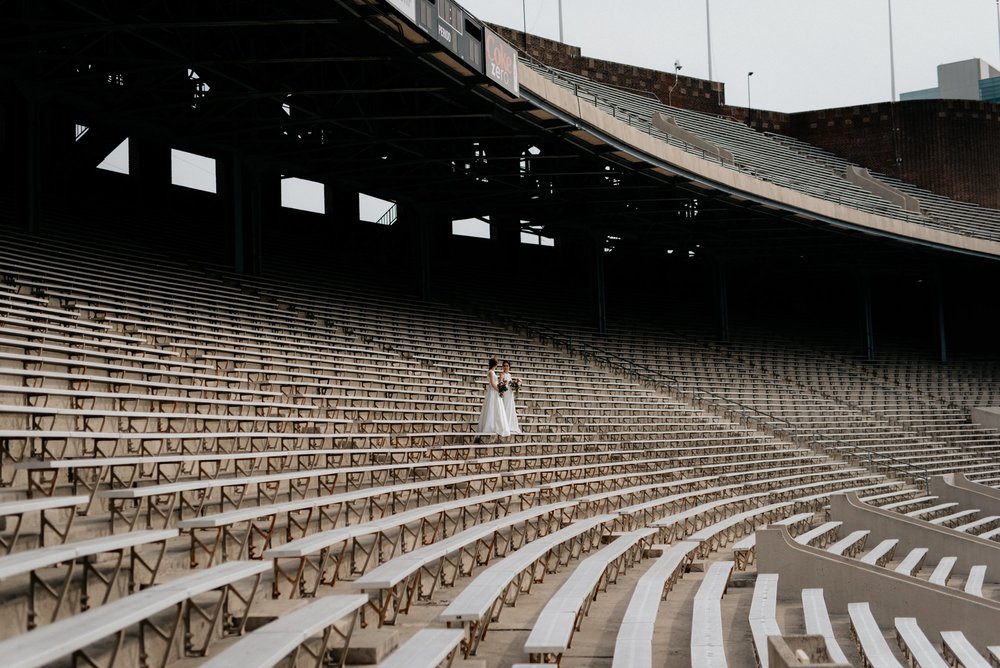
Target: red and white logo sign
x=501 y=61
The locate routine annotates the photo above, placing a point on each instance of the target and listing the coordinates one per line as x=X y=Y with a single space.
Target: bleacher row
x=777 y=158
x=200 y=467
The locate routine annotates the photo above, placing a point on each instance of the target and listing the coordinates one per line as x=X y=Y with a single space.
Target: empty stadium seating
x=161 y=422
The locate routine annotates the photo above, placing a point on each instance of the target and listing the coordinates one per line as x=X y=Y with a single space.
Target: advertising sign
x=501 y=62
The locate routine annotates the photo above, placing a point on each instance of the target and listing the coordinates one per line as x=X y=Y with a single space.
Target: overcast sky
x=805 y=54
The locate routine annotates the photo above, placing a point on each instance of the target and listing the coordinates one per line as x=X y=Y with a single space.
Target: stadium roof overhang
x=349 y=93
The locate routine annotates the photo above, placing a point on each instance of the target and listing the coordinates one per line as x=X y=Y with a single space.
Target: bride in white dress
x=507 y=398
x=492 y=419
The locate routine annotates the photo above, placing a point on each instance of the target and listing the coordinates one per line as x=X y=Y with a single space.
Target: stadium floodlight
x=670 y=91
x=749 y=74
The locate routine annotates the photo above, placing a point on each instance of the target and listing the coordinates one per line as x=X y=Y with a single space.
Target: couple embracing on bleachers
x=499 y=413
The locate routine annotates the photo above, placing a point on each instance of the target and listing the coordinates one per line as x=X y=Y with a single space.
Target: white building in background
x=973 y=79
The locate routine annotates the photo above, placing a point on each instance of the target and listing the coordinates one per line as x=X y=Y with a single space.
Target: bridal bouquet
x=502 y=387
x=515 y=384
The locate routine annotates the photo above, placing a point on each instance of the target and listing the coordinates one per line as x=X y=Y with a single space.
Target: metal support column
x=722 y=290
x=426 y=245
x=239 y=215
x=869 y=327
x=600 y=311
x=942 y=340
x=33 y=165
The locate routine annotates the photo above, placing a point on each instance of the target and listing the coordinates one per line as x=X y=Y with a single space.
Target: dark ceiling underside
x=337 y=92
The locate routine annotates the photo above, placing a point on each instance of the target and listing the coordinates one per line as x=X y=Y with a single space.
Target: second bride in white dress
x=507 y=398
x=493 y=418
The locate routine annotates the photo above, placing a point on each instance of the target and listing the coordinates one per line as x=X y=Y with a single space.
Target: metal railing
x=389 y=217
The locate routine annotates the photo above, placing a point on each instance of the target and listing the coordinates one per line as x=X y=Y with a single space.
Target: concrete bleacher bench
x=73 y=635
x=763 y=615
x=554 y=628
x=913 y=561
x=900 y=506
x=851 y=544
x=930 y=512
x=820 y=536
x=958 y=651
x=818 y=622
x=396 y=584
x=84 y=553
x=481 y=601
x=915 y=645
x=92 y=473
x=942 y=572
x=874 y=650
x=982 y=523
x=289 y=635
x=951 y=520
x=881 y=554
x=994 y=651
x=974 y=583
x=17 y=510
x=251 y=530
x=358 y=547
x=190 y=498
x=428 y=648
x=707 y=646
x=99 y=419
x=634 y=643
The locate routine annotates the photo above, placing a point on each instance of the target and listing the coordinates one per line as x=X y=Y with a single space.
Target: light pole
x=560 y=23
x=524 y=22
x=892 y=57
x=708 y=32
x=670 y=91
x=749 y=74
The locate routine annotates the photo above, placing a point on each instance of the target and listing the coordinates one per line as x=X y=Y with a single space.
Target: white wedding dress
x=510 y=408
x=492 y=420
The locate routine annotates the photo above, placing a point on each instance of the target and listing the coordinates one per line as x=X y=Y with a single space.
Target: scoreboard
x=465 y=36
x=448 y=23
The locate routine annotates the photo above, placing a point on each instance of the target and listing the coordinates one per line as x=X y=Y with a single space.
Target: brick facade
x=690 y=93
x=951 y=147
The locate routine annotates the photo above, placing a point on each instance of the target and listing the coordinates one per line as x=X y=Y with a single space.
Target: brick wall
x=689 y=93
x=951 y=147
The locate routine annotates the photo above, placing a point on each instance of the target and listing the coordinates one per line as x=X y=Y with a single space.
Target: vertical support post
x=505 y=234
x=942 y=340
x=150 y=169
x=33 y=167
x=866 y=313
x=341 y=204
x=265 y=202
x=722 y=293
x=246 y=198
x=239 y=214
x=426 y=244
x=426 y=231
x=600 y=305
